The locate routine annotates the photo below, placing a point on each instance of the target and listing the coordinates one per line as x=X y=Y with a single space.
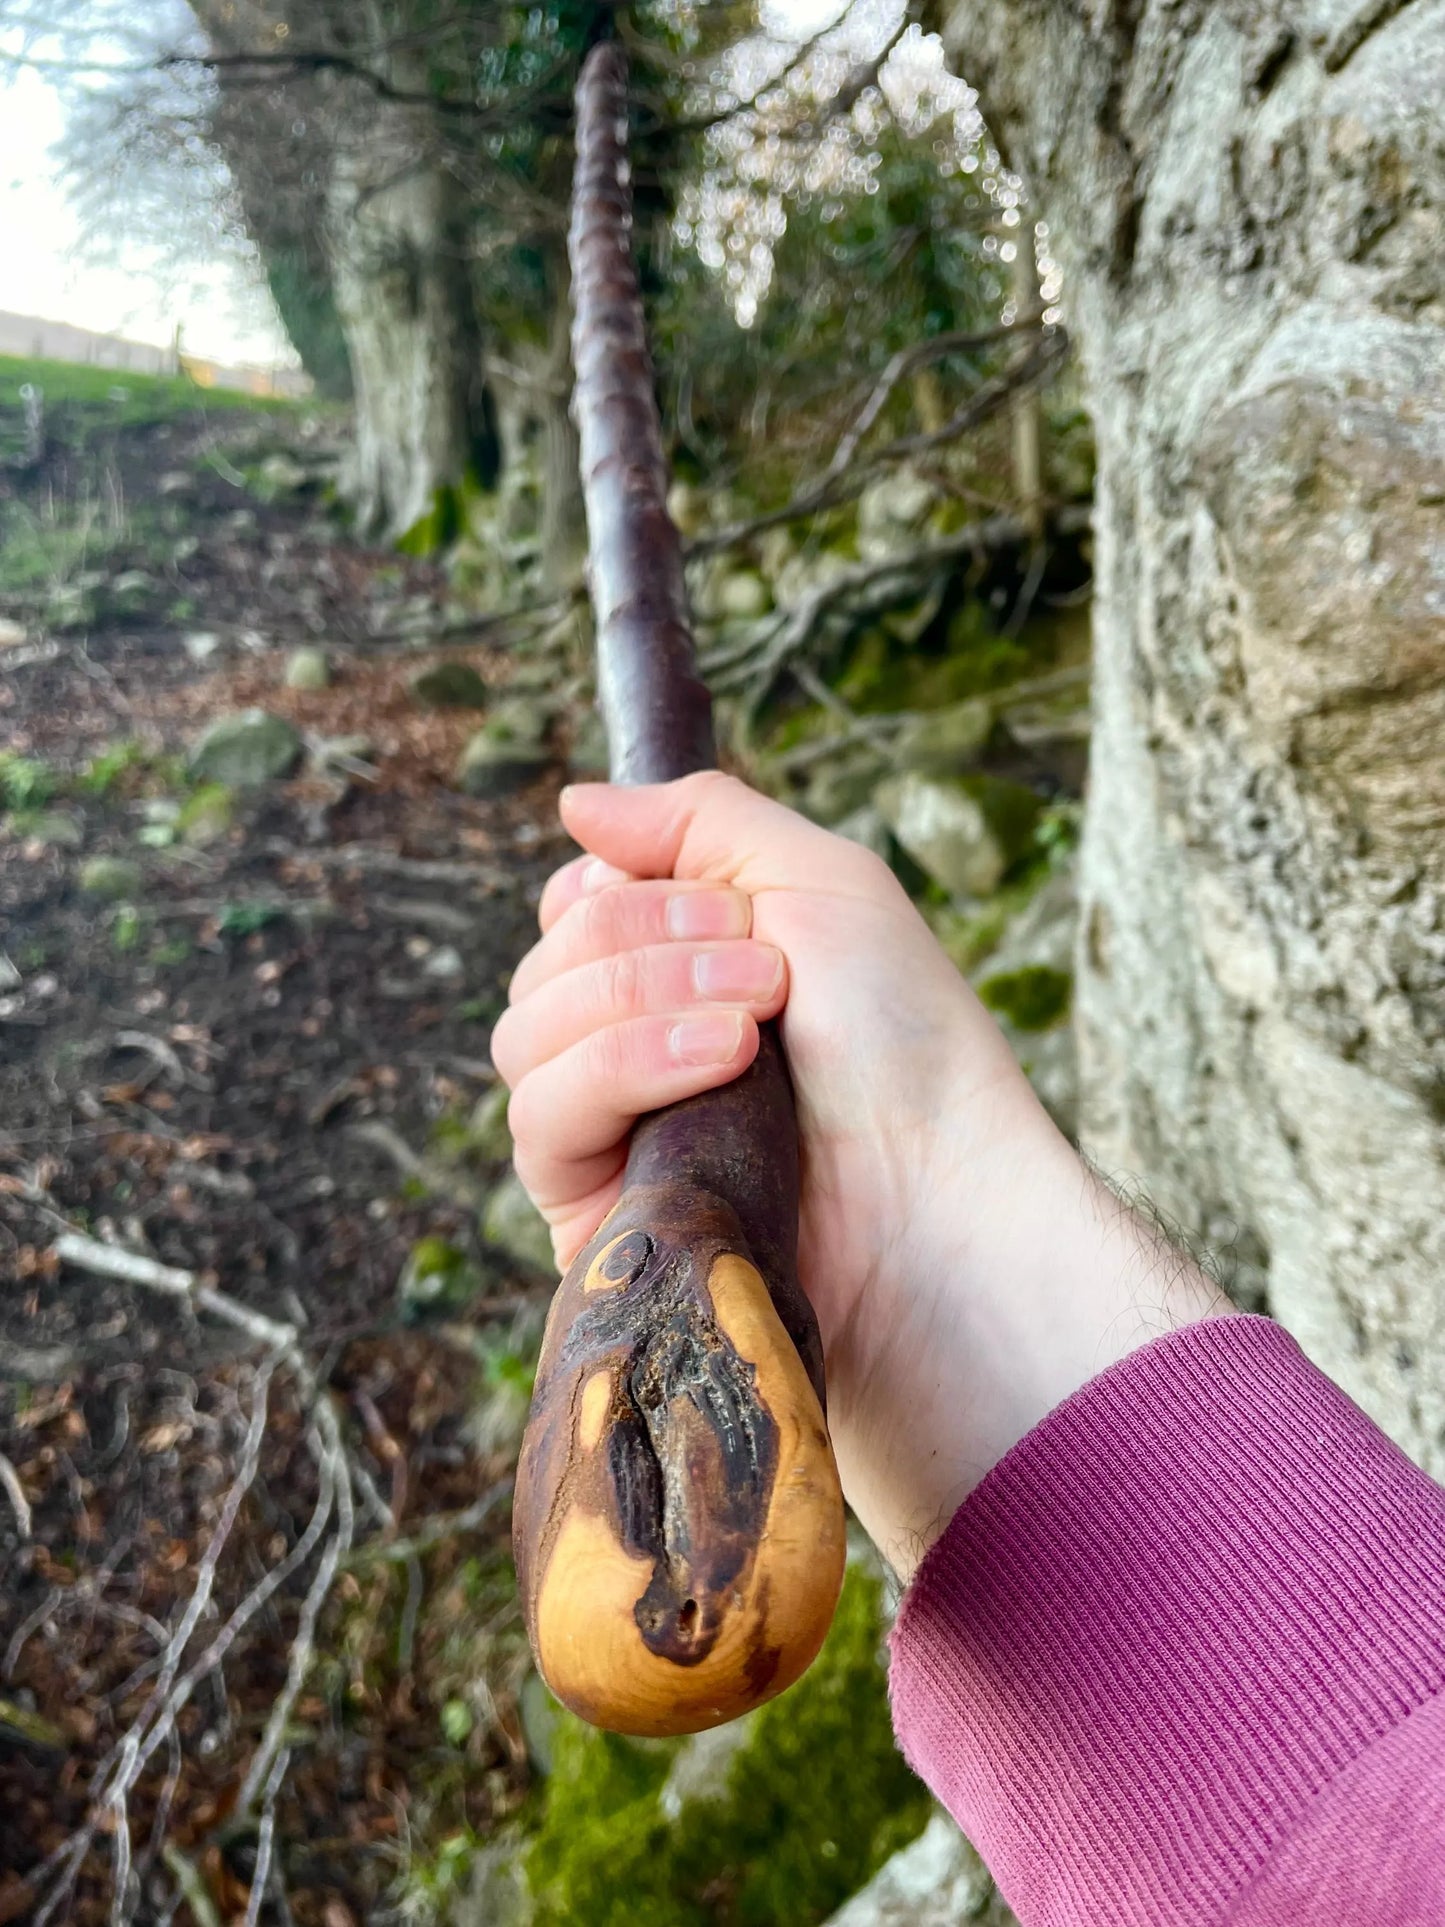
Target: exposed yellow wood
x=597 y=1279
x=589 y=1646
x=596 y=1401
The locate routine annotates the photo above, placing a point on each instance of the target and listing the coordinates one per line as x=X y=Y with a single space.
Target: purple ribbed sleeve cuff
x=1159 y=1631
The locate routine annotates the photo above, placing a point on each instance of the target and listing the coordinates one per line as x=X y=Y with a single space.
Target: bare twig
x=1034 y=365
x=361 y=856
x=193 y=1888
x=265 y=1840
x=332 y=1452
x=905 y=362
x=434 y=1532
x=15 y=1492
x=130 y=1267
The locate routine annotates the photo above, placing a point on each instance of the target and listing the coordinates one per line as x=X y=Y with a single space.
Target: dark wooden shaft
x=678 y=1521
x=739 y=1143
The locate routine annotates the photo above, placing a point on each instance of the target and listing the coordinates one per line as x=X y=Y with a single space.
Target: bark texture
x=399 y=229
x=1251 y=197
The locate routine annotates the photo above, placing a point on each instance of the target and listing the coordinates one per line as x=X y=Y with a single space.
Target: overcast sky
x=44 y=270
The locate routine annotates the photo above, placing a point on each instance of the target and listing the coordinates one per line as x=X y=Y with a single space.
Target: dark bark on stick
x=678 y=1521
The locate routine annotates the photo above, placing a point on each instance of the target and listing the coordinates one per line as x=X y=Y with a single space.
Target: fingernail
x=695 y=914
x=598 y=875
x=750 y=972
x=713 y=1039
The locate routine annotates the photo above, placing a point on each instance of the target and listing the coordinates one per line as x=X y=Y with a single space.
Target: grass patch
x=115 y=398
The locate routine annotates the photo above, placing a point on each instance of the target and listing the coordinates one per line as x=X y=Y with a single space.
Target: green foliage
x=25 y=784
x=1034 y=997
x=130 y=768
x=970 y=659
x=128 y=928
x=245 y=919
x=815 y=1802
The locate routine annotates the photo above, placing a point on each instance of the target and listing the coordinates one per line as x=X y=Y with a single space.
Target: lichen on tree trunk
x=400 y=260
x=1251 y=203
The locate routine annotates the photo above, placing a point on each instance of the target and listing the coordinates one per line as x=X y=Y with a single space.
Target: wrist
x=1025 y=1278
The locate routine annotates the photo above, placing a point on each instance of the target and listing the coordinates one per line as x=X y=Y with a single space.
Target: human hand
x=966 y=1269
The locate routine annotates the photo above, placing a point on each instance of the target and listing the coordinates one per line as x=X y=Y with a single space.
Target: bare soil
x=226 y=1075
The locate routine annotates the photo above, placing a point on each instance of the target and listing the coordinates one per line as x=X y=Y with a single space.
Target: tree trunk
x=1252 y=204
x=564 y=527
x=398 y=228
x=276 y=141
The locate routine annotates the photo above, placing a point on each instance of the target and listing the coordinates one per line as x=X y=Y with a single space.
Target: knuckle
x=624 y=983
x=503 y=1033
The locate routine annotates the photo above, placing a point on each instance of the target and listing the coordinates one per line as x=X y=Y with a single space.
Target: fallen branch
x=904 y=363
x=15 y=1492
x=433 y=1532
x=130 y=1267
x=360 y=856
x=832 y=489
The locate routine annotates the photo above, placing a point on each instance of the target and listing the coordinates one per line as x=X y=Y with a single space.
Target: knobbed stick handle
x=678 y=1519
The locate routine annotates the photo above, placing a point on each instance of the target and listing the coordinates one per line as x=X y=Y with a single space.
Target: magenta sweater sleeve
x=1178 y=1661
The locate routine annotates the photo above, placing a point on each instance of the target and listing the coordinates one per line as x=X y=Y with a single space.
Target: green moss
x=883 y=675
x=814 y=1803
x=1034 y=997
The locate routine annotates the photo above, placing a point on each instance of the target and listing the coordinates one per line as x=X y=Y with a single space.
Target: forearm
x=1184 y=1642
x=1026 y=1278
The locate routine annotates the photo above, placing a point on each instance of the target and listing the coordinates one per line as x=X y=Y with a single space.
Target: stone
x=488 y=1136
x=202 y=645
x=842 y=784
x=338 y=753
x=130 y=590
x=742 y=596
x=514 y=1224
x=115 y=878
x=308 y=669
x=1028 y=975
x=206 y=816
x=247 y=749
x=938 y=742
x=540 y=1715
x=12 y=633
x=449 y=685
x=436 y=1280
x=444 y=964
x=488 y=768
x=702 y=1767
x=281 y=474
x=520 y=719
x=965 y=832
x=498 y=1895
x=892 y=512
x=935 y=1881
x=866 y=826
x=56 y=829
x=588 y=755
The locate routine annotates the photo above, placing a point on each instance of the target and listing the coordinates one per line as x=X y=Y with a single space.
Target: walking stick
x=678 y=1520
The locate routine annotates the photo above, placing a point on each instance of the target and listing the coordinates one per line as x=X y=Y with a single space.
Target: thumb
x=707 y=826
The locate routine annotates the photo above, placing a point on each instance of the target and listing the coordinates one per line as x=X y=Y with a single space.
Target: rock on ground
x=246 y=750
x=966 y=832
x=449 y=685
x=936 y=1881
x=515 y=1225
